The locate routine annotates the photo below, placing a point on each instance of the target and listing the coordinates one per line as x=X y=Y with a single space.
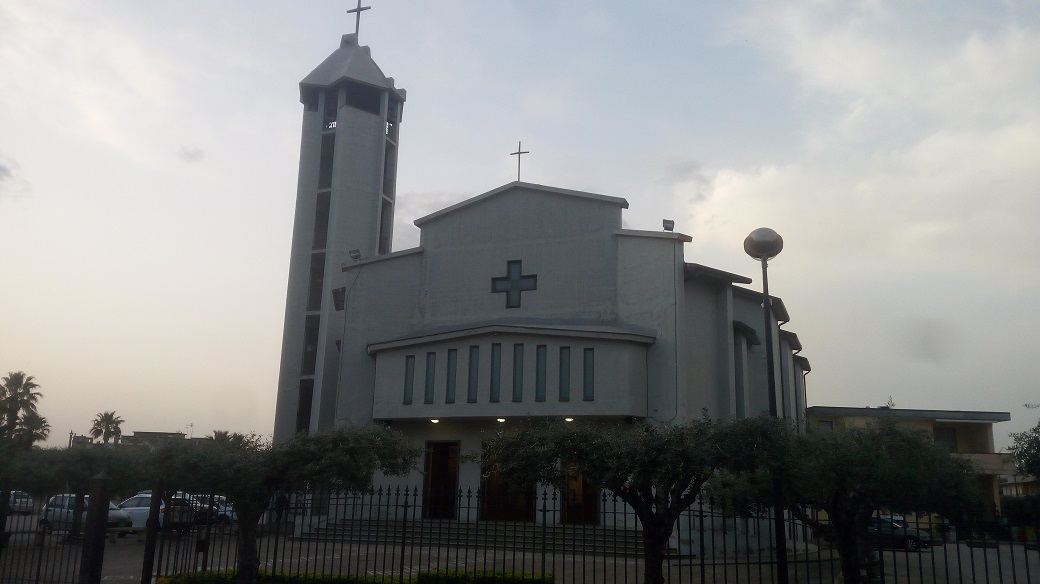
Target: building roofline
x=630 y=334
x=654 y=234
x=936 y=415
x=693 y=271
x=346 y=267
x=792 y=340
x=517 y=184
x=779 y=309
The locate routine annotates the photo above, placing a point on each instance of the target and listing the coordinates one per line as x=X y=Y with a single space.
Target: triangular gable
x=617 y=201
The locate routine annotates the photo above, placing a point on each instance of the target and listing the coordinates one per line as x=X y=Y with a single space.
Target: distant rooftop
x=887 y=412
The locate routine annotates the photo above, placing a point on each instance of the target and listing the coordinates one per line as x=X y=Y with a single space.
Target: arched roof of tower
x=350 y=61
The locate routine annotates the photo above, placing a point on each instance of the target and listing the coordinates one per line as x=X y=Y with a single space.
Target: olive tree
x=249 y=470
x=851 y=473
x=658 y=471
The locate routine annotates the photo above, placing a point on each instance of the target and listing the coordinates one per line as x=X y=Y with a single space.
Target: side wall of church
x=748 y=311
x=708 y=354
x=649 y=283
x=380 y=304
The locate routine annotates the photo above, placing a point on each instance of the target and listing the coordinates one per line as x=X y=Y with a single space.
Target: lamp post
x=763 y=244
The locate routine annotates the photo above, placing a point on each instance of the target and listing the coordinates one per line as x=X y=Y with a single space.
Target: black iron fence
x=391 y=534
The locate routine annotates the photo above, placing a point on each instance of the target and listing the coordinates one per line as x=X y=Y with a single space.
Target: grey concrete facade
x=525 y=301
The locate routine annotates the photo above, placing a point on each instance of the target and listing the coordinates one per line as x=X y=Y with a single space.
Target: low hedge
x=228 y=577
x=455 y=577
x=426 y=577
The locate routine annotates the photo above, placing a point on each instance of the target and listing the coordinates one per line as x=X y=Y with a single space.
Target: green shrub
x=444 y=576
x=228 y=577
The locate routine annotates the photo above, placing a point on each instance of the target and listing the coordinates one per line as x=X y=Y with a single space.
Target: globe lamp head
x=763 y=244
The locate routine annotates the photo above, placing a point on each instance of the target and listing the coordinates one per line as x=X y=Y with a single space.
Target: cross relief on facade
x=513 y=283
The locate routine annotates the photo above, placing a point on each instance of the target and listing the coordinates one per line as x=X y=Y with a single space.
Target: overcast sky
x=148 y=164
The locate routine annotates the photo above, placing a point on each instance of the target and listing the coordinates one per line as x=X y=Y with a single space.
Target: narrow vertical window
x=518 y=372
x=540 y=355
x=317 y=281
x=589 y=381
x=386 y=226
x=325 y=158
x=431 y=372
x=496 y=371
x=474 y=374
x=328 y=121
x=321 y=220
x=311 y=324
x=449 y=382
x=304 y=404
x=565 y=374
x=409 y=378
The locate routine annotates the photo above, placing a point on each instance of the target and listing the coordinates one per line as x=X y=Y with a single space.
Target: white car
x=59 y=512
x=179 y=516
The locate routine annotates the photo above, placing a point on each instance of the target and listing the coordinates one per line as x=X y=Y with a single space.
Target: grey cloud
x=191 y=153
x=928 y=340
x=10 y=182
x=689 y=172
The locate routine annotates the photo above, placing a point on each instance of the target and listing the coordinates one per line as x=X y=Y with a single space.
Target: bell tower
x=344 y=212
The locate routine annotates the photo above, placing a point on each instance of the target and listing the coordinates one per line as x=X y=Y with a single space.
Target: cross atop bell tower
x=357 y=15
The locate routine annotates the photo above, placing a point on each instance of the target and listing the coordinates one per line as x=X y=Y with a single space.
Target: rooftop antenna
x=519 y=152
x=357 y=15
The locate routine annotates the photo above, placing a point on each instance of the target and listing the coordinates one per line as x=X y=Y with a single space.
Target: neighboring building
x=151 y=439
x=1019 y=486
x=967 y=434
x=80 y=440
x=527 y=301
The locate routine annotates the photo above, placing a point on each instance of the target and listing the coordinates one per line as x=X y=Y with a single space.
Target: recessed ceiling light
x=501 y=420
x=568 y=419
x=435 y=421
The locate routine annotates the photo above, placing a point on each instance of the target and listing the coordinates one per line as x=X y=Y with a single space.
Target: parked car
x=176 y=513
x=59 y=511
x=893 y=532
x=20 y=502
x=205 y=511
x=226 y=514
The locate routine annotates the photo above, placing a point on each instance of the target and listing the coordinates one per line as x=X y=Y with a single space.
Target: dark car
x=20 y=502
x=893 y=532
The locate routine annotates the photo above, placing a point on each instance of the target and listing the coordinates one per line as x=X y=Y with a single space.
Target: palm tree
x=227 y=438
x=32 y=428
x=106 y=426
x=17 y=398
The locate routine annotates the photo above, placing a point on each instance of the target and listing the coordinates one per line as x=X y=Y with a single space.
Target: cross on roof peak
x=357 y=15
x=519 y=152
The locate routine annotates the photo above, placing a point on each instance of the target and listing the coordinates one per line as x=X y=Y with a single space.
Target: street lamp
x=763 y=244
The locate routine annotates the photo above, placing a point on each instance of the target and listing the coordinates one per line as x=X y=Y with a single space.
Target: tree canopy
x=249 y=470
x=1026 y=450
x=20 y=421
x=852 y=473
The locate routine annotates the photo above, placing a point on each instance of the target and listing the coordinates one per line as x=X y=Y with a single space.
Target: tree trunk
x=656 y=532
x=248 y=566
x=852 y=551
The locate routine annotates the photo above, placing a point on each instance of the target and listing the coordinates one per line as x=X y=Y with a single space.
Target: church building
x=526 y=301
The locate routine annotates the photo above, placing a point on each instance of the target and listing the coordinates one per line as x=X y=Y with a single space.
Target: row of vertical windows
x=495 y=375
